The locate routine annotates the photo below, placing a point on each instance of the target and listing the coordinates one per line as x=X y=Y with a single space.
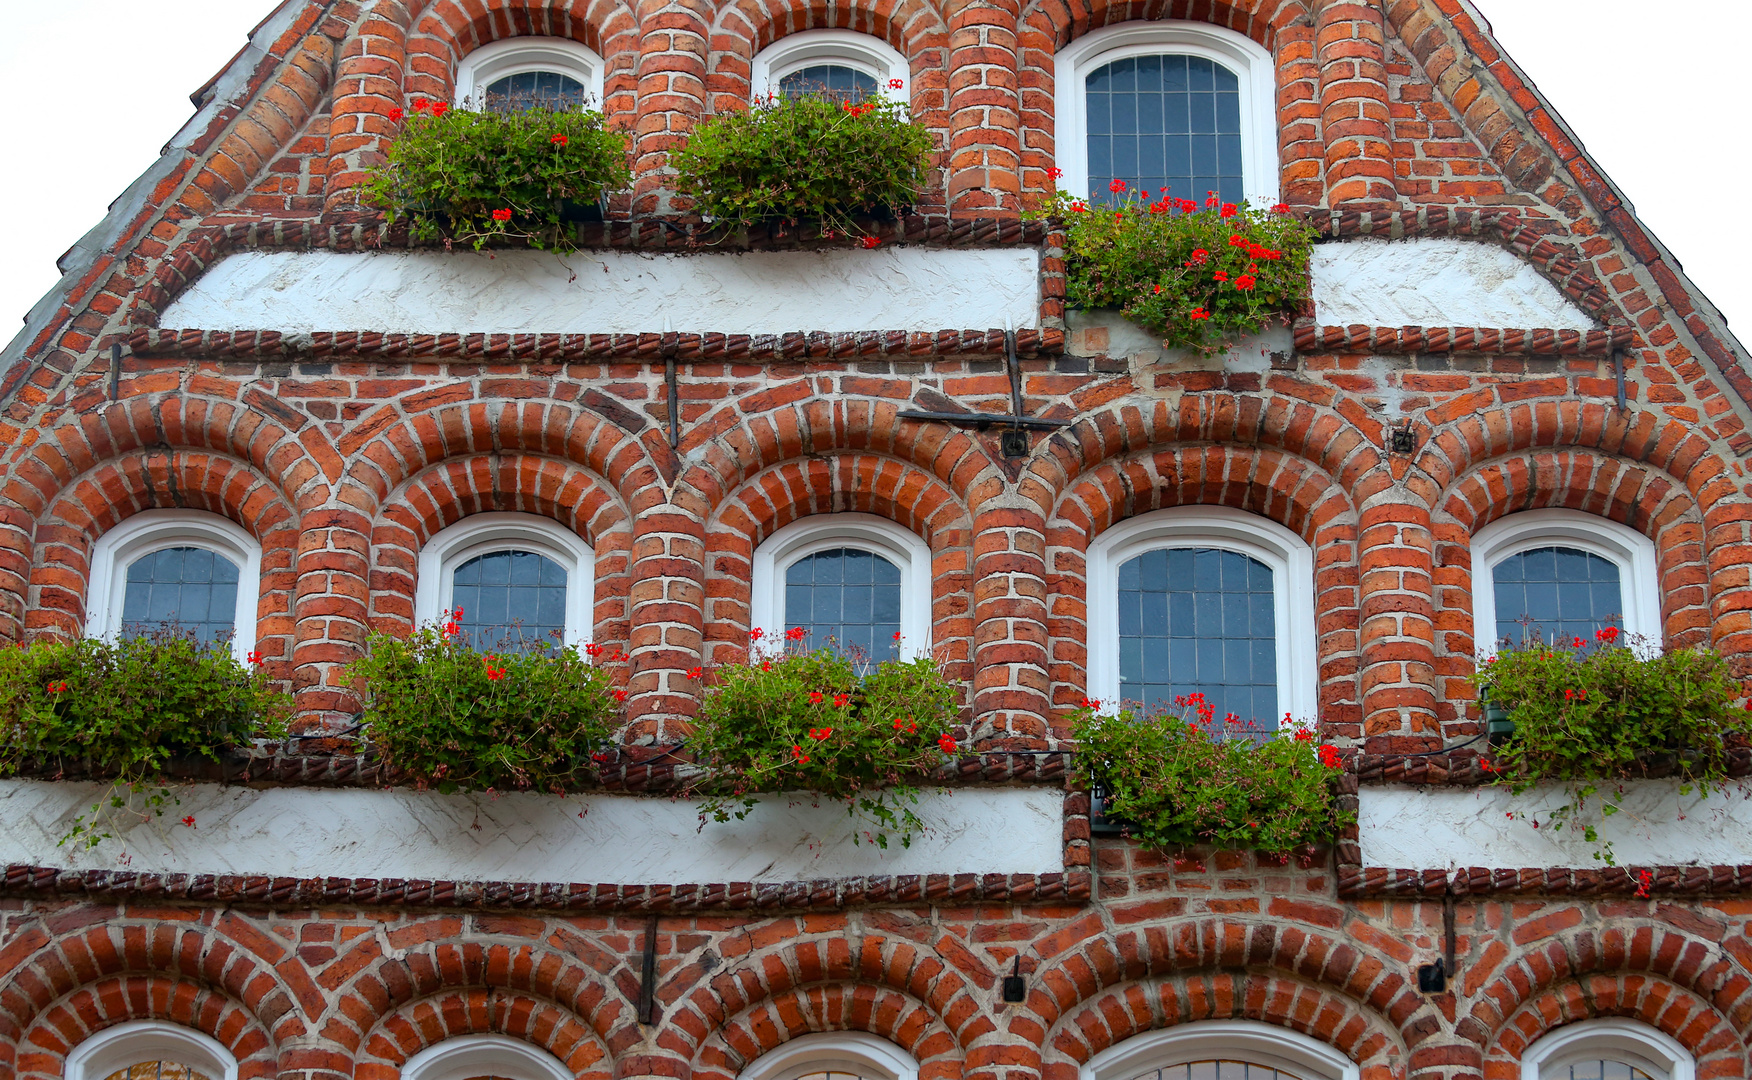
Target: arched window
x=520 y=72
x=484 y=1057
x=834 y=1055
x=840 y=63
x=187 y=569
x=1174 y=104
x=1220 y=1050
x=150 y=1050
x=521 y=581
x=1203 y=600
x=1607 y=1049
x=852 y=580
x=1561 y=574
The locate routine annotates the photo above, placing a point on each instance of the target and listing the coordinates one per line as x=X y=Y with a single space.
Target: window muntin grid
x=510 y=600
x=1218 y=1070
x=157 y=1070
x=547 y=89
x=193 y=587
x=1199 y=620
x=848 y=595
x=1602 y=1070
x=1566 y=592
x=830 y=1075
x=1164 y=120
x=834 y=81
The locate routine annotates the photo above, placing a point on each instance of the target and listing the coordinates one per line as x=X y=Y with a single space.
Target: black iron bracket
x=648 y=976
x=1015 y=444
x=670 y=380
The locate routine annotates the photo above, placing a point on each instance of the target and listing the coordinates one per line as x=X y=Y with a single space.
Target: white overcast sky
x=1651 y=92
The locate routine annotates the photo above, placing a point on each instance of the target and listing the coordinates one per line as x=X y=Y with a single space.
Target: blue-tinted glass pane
x=1605 y=1070
x=848 y=598
x=530 y=89
x=191 y=588
x=1140 y=112
x=1199 y=620
x=834 y=81
x=518 y=601
x=1555 y=594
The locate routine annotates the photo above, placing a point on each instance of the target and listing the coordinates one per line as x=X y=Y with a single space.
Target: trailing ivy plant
x=475 y=177
x=1595 y=714
x=1175 y=778
x=808 y=158
x=1199 y=274
x=123 y=709
x=448 y=715
x=823 y=721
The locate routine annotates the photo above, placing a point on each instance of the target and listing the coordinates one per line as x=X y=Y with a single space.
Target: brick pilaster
x=368 y=84
x=329 y=611
x=671 y=96
x=667 y=611
x=1011 y=686
x=1396 y=556
x=1354 y=114
x=985 y=136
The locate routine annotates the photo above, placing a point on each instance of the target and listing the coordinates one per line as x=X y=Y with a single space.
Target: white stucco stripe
x=1434 y=282
x=619 y=839
x=1443 y=828
x=616 y=292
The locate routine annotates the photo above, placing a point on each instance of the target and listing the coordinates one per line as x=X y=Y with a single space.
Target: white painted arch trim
x=1235 y=1040
x=1252 y=65
x=1652 y=1051
x=469 y=1056
x=821 y=532
x=154 y=530
x=1292 y=575
x=515 y=56
x=116 y=1048
x=853 y=1052
x=482 y=534
x=1631 y=551
x=848 y=48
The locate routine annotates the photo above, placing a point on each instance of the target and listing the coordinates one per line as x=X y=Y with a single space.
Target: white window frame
x=152 y=531
x=468 y=1056
x=823 y=532
x=1632 y=552
x=1292 y=574
x=483 y=534
x=519 y=55
x=115 y=1048
x=1207 y=1040
x=854 y=1052
x=848 y=48
x=1252 y=65
x=1654 y=1052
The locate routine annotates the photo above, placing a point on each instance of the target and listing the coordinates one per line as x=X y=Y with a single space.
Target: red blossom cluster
x=872 y=242
x=255 y=657
x=451 y=626
x=189 y=821
x=559 y=140
x=946 y=743
x=1329 y=757
x=493 y=674
x=434 y=109
x=696 y=674
x=896 y=84
x=820 y=733
x=797 y=753
x=1644 y=879
x=858 y=110
x=796 y=633
x=502 y=214
x=58 y=687
x=1575 y=695
x=905 y=726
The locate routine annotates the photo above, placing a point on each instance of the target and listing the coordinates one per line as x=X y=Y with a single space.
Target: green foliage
x=1174 y=783
x=809 y=721
x=124 y=708
x=1199 y=275
x=1595 y=714
x=478 y=176
x=445 y=714
x=805 y=157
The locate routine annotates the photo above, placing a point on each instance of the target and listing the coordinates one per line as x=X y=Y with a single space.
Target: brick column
x=1727 y=537
x=671 y=96
x=1396 y=558
x=1012 y=690
x=985 y=134
x=329 y=612
x=368 y=83
x=1350 y=47
x=666 y=609
x=1301 y=148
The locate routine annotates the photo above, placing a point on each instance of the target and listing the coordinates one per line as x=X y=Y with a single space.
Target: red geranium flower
x=842 y=700
x=189 y=821
x=1091 y=703
x=439 y=108
x=1244 y=282
x=816 y=697
x=872 y=242
x=1198 y=313
x=896 y=84
x=395 y=116
x=559 y=140
x=696 y=673
x=797 y=752
x=1330 y=758
x=1221 y=275
x=502 y=215
x=1281 y=208
x=620 y=696
x=1078 y=207
x=1229 y=210
x=1116 y=186
x=1055 y=172
x=819 y=734
x=946 y=743
x=254 y=658
x=796 y=633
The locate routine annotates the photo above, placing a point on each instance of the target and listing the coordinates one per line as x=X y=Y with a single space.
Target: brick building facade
x=340 y=452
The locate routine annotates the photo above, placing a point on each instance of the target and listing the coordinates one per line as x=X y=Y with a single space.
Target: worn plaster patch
x=1435 y=282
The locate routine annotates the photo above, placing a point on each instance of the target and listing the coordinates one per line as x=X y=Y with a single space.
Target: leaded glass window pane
x=544 y=89
x=191 y=588
x=1218 y=1070
x=1199 y=620
x=1604 y=1070
x=1564 y=592
x=1165 y=121
x=157 y=1070
x=848 y=597
x=834 y=81
x=510 y=600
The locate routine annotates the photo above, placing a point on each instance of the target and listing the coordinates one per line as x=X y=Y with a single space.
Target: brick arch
x=915 y=28
x=1634 y=951
x=861 y=482
x=1290 y=490
x=452 y=489
x=430 y=1021
x=90 y=1009
x=116 y=490
x=766 y=1025
x=441 y=33
x=1135 y=1008
x=1640 y=496
x=1692 y=1020
x=1258 y=19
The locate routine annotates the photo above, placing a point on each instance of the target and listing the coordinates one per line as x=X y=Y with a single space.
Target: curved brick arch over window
x=1664 y=1021
x=912 y=28
x=435 y=1037
x=150 y=1001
